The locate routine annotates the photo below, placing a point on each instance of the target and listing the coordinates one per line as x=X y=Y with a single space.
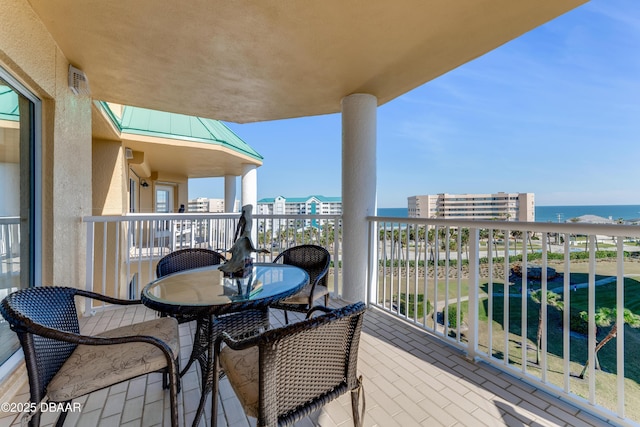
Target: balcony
x=435 y=349
x=410 y=379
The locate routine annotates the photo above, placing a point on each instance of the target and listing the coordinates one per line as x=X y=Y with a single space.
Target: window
x=133 y=195
x=164 y=199
x=20 y=121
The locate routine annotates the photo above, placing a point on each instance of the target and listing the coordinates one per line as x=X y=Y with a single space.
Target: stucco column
x=229 y=193
x=249 y=185
x=358 y=190
x=250 y=193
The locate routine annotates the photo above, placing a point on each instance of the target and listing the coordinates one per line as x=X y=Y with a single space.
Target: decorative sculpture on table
x=241 y=251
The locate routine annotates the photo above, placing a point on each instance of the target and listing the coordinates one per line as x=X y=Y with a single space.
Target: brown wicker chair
x=315 y=260
x=62 y=364
x=285 y=374
x=239 y=325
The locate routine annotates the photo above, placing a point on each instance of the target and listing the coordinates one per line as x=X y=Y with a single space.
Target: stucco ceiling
x=188 y=159
x=245 y=61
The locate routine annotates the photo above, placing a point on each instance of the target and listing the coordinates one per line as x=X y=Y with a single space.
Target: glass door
x=164 y=199
x=19 y=120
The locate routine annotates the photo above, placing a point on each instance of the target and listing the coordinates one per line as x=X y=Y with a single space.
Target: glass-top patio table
x=205 y=294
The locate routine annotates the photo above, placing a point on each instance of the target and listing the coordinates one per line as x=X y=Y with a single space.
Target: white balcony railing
x=478 y=285
x=123 y=250
x=9 y=254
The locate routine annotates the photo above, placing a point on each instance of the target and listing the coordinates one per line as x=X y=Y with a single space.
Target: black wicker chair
x=185 y=259
x=245 y=323
x=62 y=364
x=315 y=260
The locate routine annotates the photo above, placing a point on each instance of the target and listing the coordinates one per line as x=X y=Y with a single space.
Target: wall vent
x=128 y=153
x=78 y=81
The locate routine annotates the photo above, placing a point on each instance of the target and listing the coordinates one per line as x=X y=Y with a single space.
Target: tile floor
x=410 y=379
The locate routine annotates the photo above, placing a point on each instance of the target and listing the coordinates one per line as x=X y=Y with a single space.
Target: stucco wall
x=29 y=54
x=109 y=179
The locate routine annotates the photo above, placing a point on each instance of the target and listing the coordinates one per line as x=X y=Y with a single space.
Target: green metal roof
x=9 y=109
x=160 y=124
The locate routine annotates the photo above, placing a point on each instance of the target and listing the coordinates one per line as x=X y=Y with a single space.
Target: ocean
x=555 y=213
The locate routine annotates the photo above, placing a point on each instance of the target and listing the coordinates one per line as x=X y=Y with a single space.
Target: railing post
x=474 y=289
x=337 y=260
x=372 y=280
x=89 y=266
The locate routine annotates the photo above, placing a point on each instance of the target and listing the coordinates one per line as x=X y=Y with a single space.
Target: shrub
x=577 y=323
x=452 y=316
x=411 y=305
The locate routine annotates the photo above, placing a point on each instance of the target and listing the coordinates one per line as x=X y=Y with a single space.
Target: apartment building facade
x=310 y=205
x=502 y=206
x=203 y=204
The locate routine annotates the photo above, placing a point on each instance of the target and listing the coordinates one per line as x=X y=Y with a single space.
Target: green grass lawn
x=605 y=379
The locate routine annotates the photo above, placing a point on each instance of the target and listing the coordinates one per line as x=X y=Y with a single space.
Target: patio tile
x=153 y=413
x=96 y=400
x=114 y=405
x=412 y=380
x=132 y=409
x=137 y=387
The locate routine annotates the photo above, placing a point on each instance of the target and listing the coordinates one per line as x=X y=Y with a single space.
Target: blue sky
x=555 y=112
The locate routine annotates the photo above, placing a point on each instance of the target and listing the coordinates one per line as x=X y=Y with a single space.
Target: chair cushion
x=93 y=367
x=242 y=369
x=302 y=297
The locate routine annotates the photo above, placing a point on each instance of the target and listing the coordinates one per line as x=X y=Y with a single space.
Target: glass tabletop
x=206 y=287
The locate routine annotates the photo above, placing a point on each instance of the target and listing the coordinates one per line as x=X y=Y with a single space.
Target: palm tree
x=385 y=236
x=447 y=236
x=605 y=317
x=530 y=242
x=516 y=234
x=464 y=240
x=431 y=238
x=553 y=300
x=484 y=236
x=398 y=238
x=496 y=235
x=421 y=236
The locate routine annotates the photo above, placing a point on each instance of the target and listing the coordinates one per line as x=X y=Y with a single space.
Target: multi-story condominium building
x=502 y=206
x=202 y=204
x=310 y=205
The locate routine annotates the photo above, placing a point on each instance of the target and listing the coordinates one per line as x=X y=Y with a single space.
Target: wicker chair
x=239 y=325
x=315 y=261
x=62 y=364
x=184 y=259
x=285 y=374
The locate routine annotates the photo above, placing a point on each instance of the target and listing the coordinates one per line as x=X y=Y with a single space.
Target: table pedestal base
x=239 y=325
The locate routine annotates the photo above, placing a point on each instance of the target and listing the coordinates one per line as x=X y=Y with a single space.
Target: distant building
x=202 y=204
x=502 y=206
x=593 y=219
x=310 y=205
